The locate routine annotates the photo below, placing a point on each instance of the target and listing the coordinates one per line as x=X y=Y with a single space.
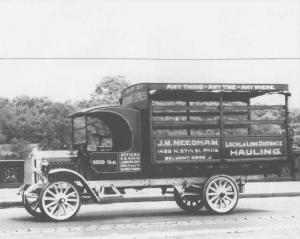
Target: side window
x=79 y=130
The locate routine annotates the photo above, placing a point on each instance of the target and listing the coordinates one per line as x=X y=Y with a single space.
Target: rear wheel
x=60 y=200
x=190 y=200
x=220 y=194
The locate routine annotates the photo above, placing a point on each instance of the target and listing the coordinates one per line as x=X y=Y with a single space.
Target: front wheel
x=60 y=200
x=220 y=194
x=31 y=202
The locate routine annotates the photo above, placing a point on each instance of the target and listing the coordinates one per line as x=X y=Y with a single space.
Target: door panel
x=104 y=162
x=114 y=162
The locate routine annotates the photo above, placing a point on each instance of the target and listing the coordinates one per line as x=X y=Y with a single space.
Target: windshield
x=79 y=130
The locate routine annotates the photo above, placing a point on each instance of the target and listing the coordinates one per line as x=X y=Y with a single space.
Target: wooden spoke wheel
x=31 y=202
x=60 y=200
x=220 y=194
x=189 y=203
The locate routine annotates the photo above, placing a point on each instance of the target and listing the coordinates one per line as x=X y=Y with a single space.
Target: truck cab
x=107 y=140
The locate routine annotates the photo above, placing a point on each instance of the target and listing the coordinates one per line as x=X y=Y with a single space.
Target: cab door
x=113 y=144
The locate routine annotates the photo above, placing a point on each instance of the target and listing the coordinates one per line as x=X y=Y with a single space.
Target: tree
x=20 y=147
x=8 y=121
x=295 y=125
x=36 y=120
x=108 y=90
x=39 y=120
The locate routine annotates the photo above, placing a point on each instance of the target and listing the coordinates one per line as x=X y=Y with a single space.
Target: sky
x=151 y=29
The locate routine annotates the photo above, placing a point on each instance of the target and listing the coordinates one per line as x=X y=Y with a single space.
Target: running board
x=171 y=182
x=124 y=199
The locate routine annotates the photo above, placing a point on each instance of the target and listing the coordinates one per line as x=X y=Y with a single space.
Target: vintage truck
x=196 y=141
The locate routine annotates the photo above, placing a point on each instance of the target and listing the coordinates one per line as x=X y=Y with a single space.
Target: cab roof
x=99 y=109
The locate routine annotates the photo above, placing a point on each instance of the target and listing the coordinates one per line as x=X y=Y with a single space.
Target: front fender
x=73 y=175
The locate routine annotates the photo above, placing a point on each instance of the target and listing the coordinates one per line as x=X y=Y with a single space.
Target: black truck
x=194 y=140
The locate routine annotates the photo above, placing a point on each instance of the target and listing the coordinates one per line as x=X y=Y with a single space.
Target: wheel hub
x=221 y=195
x=61 y=200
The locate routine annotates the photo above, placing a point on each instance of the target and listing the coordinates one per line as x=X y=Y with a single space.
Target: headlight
x=44 y=166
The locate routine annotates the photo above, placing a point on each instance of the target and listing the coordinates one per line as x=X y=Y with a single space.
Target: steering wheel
x=101 y=137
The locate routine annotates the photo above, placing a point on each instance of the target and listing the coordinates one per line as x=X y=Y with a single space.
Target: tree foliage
x=107 y=91
x=35 y=120
x=25 y=120
x=295 y=125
